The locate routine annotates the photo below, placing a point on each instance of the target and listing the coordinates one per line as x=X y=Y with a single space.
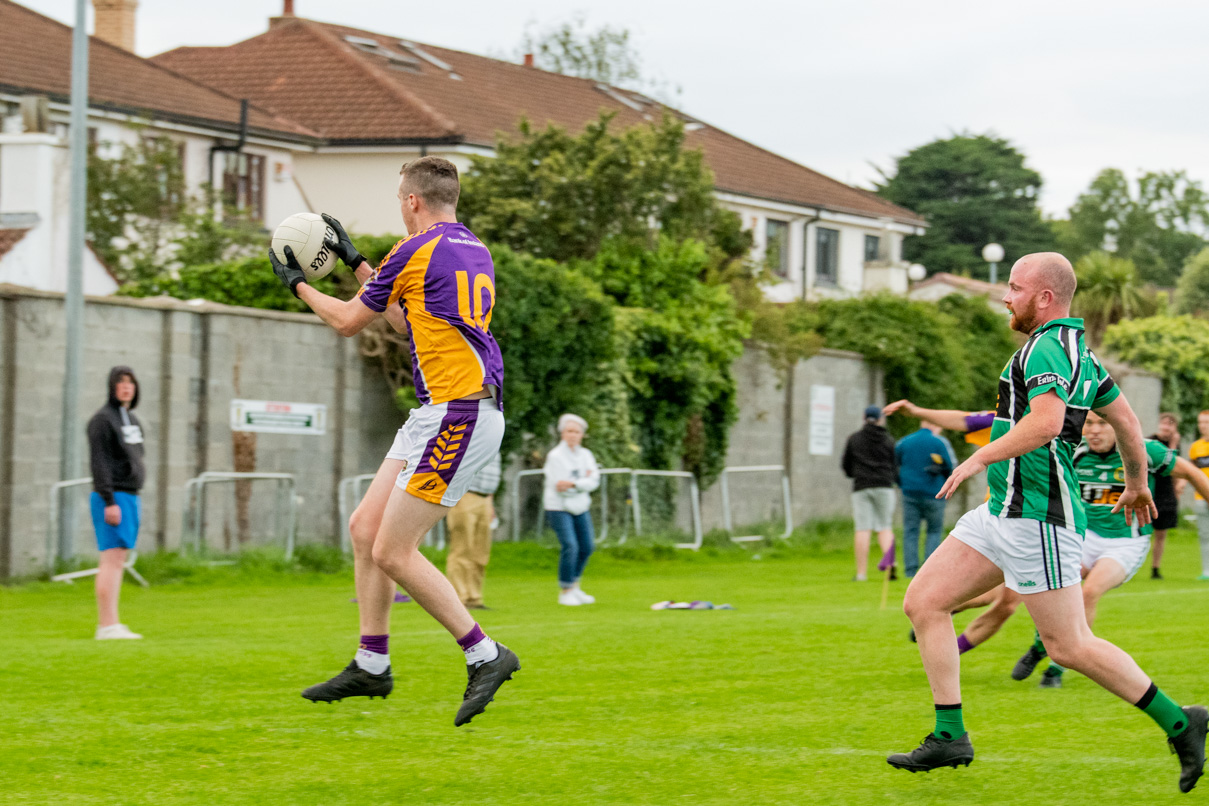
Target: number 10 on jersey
x=469 y=300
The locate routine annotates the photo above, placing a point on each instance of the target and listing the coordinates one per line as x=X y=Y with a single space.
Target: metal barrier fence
x=195 y=504
x=52 y=533
x=349 y=494
x=52 y=520
x=603 y=535
x=785 y=502
x=694 y=502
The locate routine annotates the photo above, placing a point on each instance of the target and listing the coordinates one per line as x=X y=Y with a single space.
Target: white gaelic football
x=305 y=234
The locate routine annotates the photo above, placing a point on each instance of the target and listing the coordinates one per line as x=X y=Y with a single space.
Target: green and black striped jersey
x=1041 y=484
x=1102 y=480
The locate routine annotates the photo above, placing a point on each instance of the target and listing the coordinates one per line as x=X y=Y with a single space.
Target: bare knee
x=362 y=530
x=1002 y=610
x=918 y=603
x=396 y=562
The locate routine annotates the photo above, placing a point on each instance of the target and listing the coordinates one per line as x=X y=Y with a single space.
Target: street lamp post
x=73 y=307
x=993 y=253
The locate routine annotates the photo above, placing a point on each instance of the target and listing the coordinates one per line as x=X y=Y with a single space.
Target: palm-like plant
x=1109 y=291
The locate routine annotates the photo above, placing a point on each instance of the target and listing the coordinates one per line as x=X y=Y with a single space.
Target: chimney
x=115 y=22
x=287 y=14
x=528 y=60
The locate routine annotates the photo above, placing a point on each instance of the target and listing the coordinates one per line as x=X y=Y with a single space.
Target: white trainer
x=584 y=597
x=569 y=599
x=116 y=632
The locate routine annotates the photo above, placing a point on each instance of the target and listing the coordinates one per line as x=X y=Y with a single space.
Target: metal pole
x=994 y=273
x=73 y=309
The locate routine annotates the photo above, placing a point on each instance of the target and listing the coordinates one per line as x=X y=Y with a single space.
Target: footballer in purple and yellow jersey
x=444 y=279
x=438 y=285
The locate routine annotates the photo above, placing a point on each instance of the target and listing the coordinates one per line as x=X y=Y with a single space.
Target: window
x=776 y=247
x=873 y=248
x=827 y=256
x=243 y=184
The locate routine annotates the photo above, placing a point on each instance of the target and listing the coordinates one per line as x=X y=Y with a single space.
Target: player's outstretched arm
x=1040 y=426
x=1192 y=474
x=952 y=419
x=347 y=318
x=1136 y=500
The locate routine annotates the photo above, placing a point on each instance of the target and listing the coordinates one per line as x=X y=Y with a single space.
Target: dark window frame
x=769 y=224
x=876 y=242
x=243 y=184
x=826 y=256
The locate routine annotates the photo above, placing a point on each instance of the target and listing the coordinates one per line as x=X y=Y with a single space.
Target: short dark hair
x=1167 y=415
x=434 y=180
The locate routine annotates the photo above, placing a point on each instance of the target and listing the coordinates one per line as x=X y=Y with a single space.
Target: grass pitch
x=793 y=698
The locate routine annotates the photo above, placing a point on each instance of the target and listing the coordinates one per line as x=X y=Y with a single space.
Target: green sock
x=1163 y=710
x=1037 y=645
x=948 y=722
x=1054 y=669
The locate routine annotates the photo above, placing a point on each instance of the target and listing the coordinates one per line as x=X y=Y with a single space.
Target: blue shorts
x=126 y=533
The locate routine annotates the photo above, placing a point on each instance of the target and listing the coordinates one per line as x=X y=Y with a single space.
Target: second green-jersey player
x=1101 y=483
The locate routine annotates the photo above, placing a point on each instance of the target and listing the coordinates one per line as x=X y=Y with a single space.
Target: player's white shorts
x=1034 y=556
x=444 y=445
x=1128 y=552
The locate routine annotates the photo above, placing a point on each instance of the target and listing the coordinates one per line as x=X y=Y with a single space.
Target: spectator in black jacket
x=869 y=461
x=115 y=447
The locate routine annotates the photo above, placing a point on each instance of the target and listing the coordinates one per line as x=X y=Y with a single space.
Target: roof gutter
x=235 y=149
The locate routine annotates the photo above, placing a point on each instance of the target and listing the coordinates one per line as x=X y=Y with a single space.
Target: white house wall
x=359 y=187
x=850 y=275
x=282 y=197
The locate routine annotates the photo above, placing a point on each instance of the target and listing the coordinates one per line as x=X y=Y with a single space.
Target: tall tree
x=1192 y=295
x=1175 y=347
x=1109 y=291
x=562 y=196
x=605 y=54
x=1158 y=222
x=973 y=190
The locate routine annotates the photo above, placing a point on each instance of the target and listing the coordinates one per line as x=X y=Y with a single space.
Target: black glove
x=289 y=273
x=342 y=245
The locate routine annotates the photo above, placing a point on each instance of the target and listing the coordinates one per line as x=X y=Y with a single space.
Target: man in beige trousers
x=469 y=524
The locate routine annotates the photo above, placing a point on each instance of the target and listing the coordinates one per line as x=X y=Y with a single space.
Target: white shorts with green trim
x=1034 y=556
x=1127 y=552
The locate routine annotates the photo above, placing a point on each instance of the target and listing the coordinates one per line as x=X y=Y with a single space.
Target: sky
x=845 y=87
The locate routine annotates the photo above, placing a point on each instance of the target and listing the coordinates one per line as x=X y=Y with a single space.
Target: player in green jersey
x=1113 y=549
x=1029 y=535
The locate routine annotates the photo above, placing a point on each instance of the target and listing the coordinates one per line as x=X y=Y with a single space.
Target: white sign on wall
x=274 y=417
x=822 y=420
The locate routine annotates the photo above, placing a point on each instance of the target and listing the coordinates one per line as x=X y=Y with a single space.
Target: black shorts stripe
x=1044 y=556
x=1053 y=531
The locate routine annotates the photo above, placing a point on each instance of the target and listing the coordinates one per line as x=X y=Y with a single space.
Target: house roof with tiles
x=381 y=90
x=35 y=58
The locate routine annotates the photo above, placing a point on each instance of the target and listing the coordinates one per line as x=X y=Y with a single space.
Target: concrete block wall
x=191 y=360
x=774 y=428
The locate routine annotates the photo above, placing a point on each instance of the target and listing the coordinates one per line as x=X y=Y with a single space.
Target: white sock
x=484 y=651
x=372 y=662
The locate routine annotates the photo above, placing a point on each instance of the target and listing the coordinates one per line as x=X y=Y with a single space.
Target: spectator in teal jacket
x=925 y=460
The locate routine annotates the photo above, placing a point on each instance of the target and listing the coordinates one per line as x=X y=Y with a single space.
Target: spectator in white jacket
x=571 y=476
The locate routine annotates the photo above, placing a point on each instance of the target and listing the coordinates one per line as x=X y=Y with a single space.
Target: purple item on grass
x=887 y=559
